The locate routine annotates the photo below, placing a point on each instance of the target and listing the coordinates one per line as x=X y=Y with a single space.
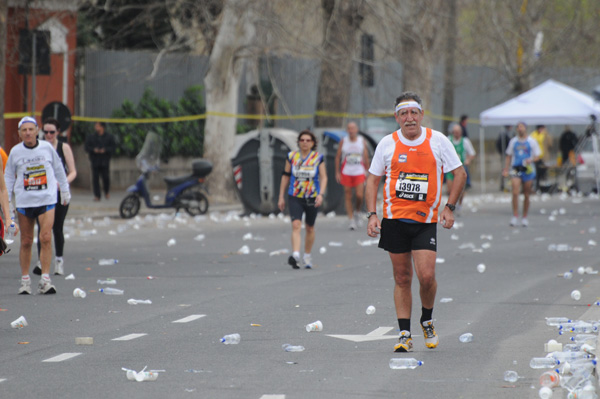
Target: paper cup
x=19 y=323
x=314 y=327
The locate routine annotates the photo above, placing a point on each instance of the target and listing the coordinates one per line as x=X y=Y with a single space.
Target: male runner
x=521 y=154
x=413 y=159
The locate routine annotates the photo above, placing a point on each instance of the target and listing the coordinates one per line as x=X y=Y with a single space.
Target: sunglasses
x=49 y=131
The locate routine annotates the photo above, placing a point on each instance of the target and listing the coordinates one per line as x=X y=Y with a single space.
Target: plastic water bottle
x=587 y=392
x=568 y=275
x=578 y=379
x=584 y=328
x=292 y=348
x=107 y=262
x=543 y=363
x=511 y=376
x=550 y=379
x=371 y=310
x=465 y=338
x=401 y=363
x=231 y=339
x=108 y=281
x=111 y=291
x=569 y=356
x=139 y=301
x=556 y=321
x=12 y=229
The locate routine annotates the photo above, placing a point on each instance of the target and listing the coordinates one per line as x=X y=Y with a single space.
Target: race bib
x=353 y=159
x=412 y=186
x=34 y=178
x=305 y=172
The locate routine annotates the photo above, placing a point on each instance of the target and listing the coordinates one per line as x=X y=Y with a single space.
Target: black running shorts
x=400 y=237
x=298 y=206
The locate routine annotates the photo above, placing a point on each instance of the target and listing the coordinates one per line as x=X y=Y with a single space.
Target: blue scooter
x=183 y=192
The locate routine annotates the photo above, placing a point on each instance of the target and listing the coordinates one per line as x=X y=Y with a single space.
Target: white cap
x=28 y=119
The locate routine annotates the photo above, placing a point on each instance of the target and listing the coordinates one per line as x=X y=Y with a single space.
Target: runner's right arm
x=338 y=159
x=285 y=181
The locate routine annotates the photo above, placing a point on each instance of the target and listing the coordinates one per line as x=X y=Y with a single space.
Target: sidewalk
x=83 y=205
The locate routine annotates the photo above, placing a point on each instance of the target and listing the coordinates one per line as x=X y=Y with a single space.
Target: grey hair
x=451 y=127
x=408 y=95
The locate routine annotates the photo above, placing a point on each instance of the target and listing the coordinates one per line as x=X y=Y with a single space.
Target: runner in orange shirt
x=413 y=159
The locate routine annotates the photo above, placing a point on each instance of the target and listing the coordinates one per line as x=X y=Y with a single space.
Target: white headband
x=408 y=104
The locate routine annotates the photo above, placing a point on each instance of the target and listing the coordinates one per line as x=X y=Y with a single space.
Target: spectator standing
x=567 y=143
x=100 y=146
x=540 y=134
x=501 y=145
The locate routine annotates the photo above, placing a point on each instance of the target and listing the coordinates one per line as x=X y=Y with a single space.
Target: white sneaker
x=307 y=262
x=59 y=267
x=525 y=222
x=352 y=225
x=514 y=221
x=359 y=218
x=25 y=287
x=45 y=287
x=37 y=270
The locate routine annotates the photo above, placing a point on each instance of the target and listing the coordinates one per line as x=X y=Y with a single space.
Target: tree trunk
x=222 y=82
x=449 y=63
x=3 y=21
x=341 y=20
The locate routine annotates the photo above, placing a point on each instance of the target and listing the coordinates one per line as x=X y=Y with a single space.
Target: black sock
x=404 y=324
x=426 y=314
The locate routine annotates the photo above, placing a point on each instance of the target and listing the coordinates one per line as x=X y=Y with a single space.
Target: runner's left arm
x=322 y=184
x=61 y=178
x=366 y=159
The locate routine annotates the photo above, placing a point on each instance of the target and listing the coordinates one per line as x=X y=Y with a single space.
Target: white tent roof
x=551 y=103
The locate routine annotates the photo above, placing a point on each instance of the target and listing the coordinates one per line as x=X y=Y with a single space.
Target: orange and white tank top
x=413 y=185
x=352 y=155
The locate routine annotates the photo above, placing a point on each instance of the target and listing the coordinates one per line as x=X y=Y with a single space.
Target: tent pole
x=482 y=158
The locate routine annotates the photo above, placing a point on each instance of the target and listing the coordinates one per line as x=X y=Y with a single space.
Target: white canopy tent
x=550 y=103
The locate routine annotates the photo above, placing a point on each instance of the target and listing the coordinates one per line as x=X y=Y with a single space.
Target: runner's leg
x=296 y=237
x=360 y=195
x=425 y=269
x=348 y=202
x=46 y=221
x=526 y=191
x=26 y=230
x=403 y=271
x=516 y=187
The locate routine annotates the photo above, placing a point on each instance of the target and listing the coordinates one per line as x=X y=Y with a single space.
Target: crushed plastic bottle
x=244 y=250
x=322 y=250
x=139 y=301
x=200 y=237
x=576 y=295
x=544 y=363
x=111 y=291
x=402 y=363
x=107 y=262
x=481 y=268
x=79 y=293
x=568 y=275
x=335 y=244
x=292 y=348
x=511 y=376
x=231 y=339
x=279 y=252
x=371 y=310
x=446 y=300
x=556 y=321
x=550 y=379
x=108 y=281
x=171 y=242
x=466 y=338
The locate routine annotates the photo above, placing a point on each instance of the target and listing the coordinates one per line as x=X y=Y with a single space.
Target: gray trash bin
x=258 y=160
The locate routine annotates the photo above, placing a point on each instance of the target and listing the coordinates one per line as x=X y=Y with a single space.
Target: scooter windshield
x=149 y=157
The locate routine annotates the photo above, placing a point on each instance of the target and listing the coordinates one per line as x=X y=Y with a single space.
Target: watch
x=452 y=207
x=369 y=214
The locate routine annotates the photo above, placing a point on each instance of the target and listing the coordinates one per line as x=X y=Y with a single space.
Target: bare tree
x=341 y=21
x=3 y=21
x=449 y=63
x=235 y=34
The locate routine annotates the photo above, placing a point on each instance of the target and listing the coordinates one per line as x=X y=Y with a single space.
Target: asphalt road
x=212 y=291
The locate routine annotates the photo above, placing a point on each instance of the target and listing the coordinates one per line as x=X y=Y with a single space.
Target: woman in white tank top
x=351 y=164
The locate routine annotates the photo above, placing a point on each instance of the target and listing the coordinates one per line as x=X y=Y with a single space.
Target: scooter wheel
x=130 y=206
x=196 y=203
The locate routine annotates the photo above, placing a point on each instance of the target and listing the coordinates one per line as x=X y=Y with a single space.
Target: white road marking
x=62 y=357
x=375 y=335
x=272 y=397
x=129 y=337
x=189 y=318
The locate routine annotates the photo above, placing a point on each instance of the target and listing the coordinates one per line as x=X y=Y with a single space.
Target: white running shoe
x=45 y=287
x=307 y=262
x=37 y=270
x=514 y=221
x=25 y=287
x=352 y=225
x=59 y=267
x=525 y=222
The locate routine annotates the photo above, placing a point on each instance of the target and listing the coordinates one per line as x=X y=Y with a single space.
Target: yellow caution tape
x=188 y=118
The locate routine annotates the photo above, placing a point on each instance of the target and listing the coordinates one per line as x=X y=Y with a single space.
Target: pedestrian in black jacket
x=100 y=146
